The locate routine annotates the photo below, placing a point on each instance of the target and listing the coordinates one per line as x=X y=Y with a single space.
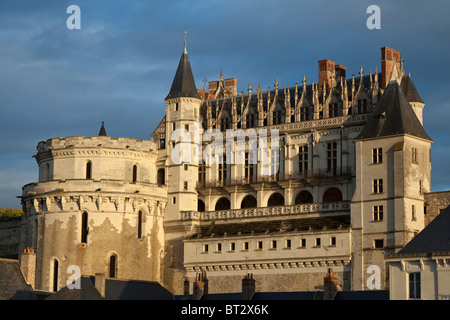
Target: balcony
x=267 y=211
x=281 y=176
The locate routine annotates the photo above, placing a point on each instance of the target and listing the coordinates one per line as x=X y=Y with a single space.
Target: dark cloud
x=118 y=68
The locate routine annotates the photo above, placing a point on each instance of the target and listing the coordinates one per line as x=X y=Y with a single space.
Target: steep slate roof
x=115 y=289
x=12 y=283
x=433 y=238
x=261 y=227
x=409 y=89
x=183 y=84
x=393 y=115
x=102 y=130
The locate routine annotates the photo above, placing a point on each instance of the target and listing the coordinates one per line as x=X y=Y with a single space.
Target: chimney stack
x=28 y=265
x=331 y=287
x=186 y=289
x=389 y=57
x=200 y=286
x=248 y=287
x=100 y=283
x=326 y=73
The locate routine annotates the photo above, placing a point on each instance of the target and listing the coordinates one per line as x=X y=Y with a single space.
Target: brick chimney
x=230 y=86
x=200 y=286
x=326 y=72
x=388 y=59
x=28 y=266
x=331 y=286
x=186 y=289
x=100 y=280
x=248 y=287
x=340 y=72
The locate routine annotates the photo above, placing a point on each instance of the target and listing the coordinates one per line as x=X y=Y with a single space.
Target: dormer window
x=362 y=106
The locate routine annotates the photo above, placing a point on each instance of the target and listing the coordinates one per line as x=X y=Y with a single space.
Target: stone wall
x=434 y=203
x=10 y=237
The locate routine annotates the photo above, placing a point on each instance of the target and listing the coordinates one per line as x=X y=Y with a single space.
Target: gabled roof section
x=434 y=238
x=393 y=116
x=409 y=89
x=13 y=284
x=183 y=84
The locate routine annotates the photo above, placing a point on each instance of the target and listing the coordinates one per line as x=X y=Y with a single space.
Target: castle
x=348 y=165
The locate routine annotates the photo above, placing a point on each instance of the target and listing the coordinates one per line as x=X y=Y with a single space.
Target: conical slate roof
x=102 y=130
x=393 y=116
x=409 y=89
x=183 y=84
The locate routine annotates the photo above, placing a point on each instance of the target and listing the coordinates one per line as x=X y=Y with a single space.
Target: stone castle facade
x=352 y=166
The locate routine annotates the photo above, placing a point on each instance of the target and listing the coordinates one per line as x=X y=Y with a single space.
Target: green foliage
x=4 y=212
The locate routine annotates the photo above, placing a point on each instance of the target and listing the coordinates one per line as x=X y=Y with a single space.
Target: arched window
x=84 y=227
x=200 y=205
x=332 y=195
x=249 y=201
x=140 y=225
x=223 y=204
x=113 y=266
x=89 y=170
x=134 y=173
x=55 y=275
x=304 y=197
x=275 y=199
x=161 y=177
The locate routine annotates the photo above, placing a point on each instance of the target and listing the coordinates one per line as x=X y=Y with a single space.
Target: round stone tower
x=97 y=208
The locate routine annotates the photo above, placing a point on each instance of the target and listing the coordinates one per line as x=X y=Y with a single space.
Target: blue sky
x=118 y=68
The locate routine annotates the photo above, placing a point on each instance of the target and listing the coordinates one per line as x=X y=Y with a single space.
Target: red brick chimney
x=200 y=286
x=331 y=286
x=388 y=58
x=248 y=287
x=326 y=72
x=28 y=266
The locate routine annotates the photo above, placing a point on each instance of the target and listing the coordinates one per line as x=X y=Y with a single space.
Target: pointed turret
x=183 y=84
x=393 y=115
x=102 y=130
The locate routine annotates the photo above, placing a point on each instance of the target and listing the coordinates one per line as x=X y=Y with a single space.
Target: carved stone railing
x=268 y=211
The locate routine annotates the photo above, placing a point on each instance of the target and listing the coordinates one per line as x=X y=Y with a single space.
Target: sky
x=119 y=66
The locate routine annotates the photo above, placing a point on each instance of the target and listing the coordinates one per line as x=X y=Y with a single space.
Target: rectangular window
x=259 y=245
x=420 y=186
x=274 y=244
x=186 y=127
x=414 y=155
x=333 y=241
x=245 y=248
x=232 y=246
x=176 y=106
x=377 y=186
x=174 y=200
x=185 y=185
x=332 y=157
x=317 y=242
x=223 y=170
x=377 y=213
x=414 y=285
x=201 y=173
x=378 y=243
x=362 y=106
x=185 y=167
x=288 y=244
x=219 y=247
x=302 y=243
x=333 y=110
x=303 y=159
x=413 y=213
x=205 y=248
x=377 y=155
x=173 y=126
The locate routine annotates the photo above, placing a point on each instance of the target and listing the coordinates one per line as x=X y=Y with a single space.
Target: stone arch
x=54 y=274
x=223 y=204
x=332 y=195
x=113 y=262
x=89 y=169
x=304 y=197
x=275 y=199
x=200 y=205
x=249 y=201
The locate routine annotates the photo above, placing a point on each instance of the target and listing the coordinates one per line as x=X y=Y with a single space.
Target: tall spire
x=183 y=84
x=102 y=130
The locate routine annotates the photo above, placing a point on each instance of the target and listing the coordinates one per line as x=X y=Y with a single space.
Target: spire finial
x=185 y=33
